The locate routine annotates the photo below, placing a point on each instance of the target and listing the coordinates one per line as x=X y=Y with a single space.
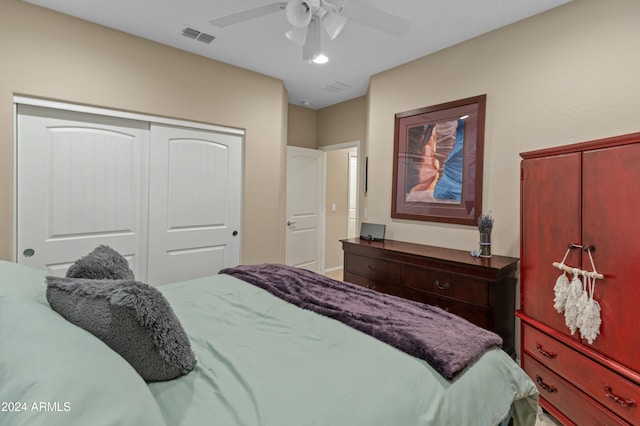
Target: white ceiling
x=259 y=44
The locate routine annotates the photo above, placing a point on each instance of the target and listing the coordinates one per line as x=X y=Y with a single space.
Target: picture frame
x=437 y=162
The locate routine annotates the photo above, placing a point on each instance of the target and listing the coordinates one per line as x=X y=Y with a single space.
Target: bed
x=261 y=360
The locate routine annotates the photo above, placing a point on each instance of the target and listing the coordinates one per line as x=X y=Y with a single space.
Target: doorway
x=342 y=189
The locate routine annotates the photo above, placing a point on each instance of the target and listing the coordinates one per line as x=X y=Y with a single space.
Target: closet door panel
x=611 y=209
x=81 y=182
x=195 y=197
x=550 y=221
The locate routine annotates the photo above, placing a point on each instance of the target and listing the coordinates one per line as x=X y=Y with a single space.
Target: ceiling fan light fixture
x=297 y=35
x=311 y=51
x=300 y=12
x=333 y=23
x=320 y=58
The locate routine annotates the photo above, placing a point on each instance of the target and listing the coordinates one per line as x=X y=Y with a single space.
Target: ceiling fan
x=307 y=18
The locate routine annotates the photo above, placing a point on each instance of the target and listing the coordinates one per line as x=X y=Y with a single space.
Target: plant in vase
x=485 y=225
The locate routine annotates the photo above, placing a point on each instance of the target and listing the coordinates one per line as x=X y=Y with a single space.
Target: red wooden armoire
x=588 y=195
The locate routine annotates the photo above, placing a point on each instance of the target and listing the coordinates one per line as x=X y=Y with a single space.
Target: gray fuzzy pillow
x=103 y=263
x=131 y=317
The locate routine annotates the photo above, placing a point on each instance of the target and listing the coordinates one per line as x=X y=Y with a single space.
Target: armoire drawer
x=447 y=284
x=605 y=386
x=573 y=403
x=376 y=269
x=473 y=314
x=384 y=287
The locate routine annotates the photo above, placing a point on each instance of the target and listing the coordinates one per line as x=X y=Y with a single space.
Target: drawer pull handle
x=371 y=286
x=371 y=267
x=444 y=286
x=544 y=352
x=621 y=401
x=543 y=385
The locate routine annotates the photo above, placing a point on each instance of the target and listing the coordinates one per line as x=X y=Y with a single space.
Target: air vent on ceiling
x=335 y=87
x=197 y=35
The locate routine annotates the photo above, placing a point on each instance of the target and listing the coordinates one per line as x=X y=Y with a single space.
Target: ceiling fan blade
x=246 y=15
x=376 y=19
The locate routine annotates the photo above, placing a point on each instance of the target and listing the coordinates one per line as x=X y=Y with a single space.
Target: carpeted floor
x=336 y=274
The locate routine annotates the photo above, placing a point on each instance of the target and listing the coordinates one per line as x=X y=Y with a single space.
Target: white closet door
x=82 y=181
x=195 y=203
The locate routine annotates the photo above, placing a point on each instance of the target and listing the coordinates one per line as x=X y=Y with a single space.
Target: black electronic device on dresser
x=481 y=290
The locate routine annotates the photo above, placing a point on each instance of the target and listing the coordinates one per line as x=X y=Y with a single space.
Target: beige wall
x=50 y=55
x=302 y=127
x=569 y=75
x=335 y=124
x=343 y=122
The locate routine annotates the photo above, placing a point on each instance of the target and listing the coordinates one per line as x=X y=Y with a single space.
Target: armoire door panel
x=550 y=221
x=82 y=182
x=194 y=203
x=611 y=212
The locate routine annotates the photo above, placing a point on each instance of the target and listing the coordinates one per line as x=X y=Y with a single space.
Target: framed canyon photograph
x=437 y=162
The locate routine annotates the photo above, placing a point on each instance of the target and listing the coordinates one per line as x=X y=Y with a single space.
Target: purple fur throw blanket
x=447 y=342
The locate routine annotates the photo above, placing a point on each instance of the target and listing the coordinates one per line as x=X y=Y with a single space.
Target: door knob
x=28 y=252
x=289 y=223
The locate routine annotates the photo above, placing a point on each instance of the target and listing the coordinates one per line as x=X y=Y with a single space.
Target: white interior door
x=81 y=182
x=195 y=203
x=305 y=180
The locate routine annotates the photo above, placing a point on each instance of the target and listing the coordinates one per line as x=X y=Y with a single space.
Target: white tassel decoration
x=571 y=306
x=591 y=323
x=561 y=290
x=590 y=320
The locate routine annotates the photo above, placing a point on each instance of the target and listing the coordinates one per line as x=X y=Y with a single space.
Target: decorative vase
x=485 y=244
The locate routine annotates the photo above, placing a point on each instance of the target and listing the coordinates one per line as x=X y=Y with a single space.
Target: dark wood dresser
x=481 y=290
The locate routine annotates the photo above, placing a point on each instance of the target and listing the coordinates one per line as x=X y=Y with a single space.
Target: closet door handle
x=543 y=385
x=625 y=402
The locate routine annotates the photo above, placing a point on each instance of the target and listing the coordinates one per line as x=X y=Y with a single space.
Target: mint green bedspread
x=261 y=362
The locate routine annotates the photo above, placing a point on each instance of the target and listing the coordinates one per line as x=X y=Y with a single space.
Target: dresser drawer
x=447 y=284
x=574 y=404
x=473 y=314
x=380 y=286
x=376 y=269
x=605 y=386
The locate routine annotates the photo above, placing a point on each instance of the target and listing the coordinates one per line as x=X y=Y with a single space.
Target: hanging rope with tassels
x=576 y=300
